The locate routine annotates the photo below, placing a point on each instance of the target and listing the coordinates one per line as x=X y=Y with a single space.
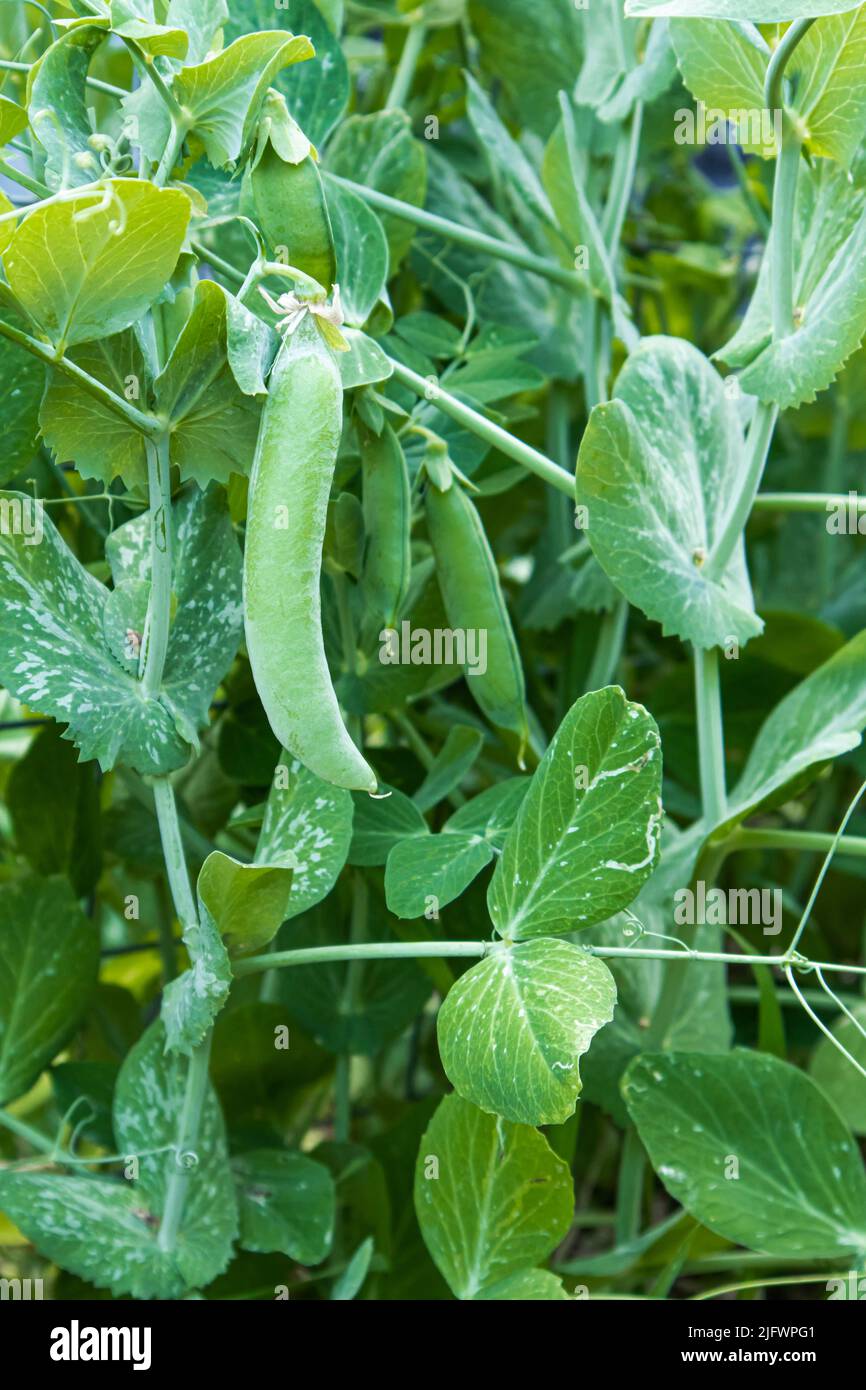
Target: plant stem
x=782 y=231
x=171 y=153
x=405 y=73
x=182 y=1164
x=804 y=840
x=622 y=180
x=18 y=176
x=808 y=501
x=8 y=65
x=156 y=632
x=535 y=462
x=147 y=425
x=467 y=236
x=173 y=852
x=721 y=957
x=711 y=738
x=629 y=1191
x=34 y=1137
x=366 y=950
x=608 y=646
x=757 y=448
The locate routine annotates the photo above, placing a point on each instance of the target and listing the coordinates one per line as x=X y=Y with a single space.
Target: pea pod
x=288 y=203
x=388 y=524
x=291 y=481
x=474 y=602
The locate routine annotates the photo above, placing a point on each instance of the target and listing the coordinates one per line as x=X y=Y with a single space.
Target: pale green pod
x=388 y=523
x=289 y=489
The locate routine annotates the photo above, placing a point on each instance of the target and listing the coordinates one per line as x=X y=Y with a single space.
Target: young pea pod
x=289 y=489
x=388 y=523
x=475 y=606
x=288 y=203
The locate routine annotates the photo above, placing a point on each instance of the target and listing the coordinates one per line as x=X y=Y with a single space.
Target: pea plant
x=401 y=399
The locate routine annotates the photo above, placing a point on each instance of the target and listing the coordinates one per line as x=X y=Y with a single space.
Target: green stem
x=467 y=236
x=686 y=954
x=366 y=950
x=622 y=181
x=147 y=425
x=782 y=231
x=757 y=448
x=33 y=1137
x=9 y=65
x=17 y=176
x=768 y=1283
x=535 y=462
x=711 y=738
x=171 y=153
x=629 y=1192
x=808 y=501
x=173 y=852
x=156 y=634
x=405 y=73
x=608 y=646
x=805 y=840
x=184 y=1159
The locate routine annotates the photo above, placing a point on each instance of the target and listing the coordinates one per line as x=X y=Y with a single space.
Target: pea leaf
x=22 y=384
x=49 y=958
x=841 y=1083
x=79 y=428
x=724 y=71
x=57 y=108
x=755 y=11
x=656 y=467
x=385 y=997
x=286 y=1203
x=586 y=835
x=821 y=718
x=310 y=822
x=513 y=1028
x=82 y=271
x=752 y=1150
x=829 y=66
x=381 y=822
x=829 y=253
x=192 y=1001
x=380 y=151
x=528 y=1286
x=147 y=1101
x=454 y=760
x=53 y=804
x=492 y=1198
x=361 y=250
x=534 y=61
x=134 y=19
x=206 y=584
x=53 y=654
x=13 y=119
x=214 y=425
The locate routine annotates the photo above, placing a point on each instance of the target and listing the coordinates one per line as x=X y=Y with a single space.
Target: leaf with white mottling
x=656 y=469
x=496 y=1203
x=586 y=835
x=513 y=1028
x=49 y=959
x=309 y=821
x=192 y=1001
x=287 y=1203
x=53 y=655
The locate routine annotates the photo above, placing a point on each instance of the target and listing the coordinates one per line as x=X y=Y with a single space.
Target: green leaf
x=379 y=150
x=192 y=1001
x=752 y=1150
x=586 y=835
x=820 y=719
x=381 y=822
x=829 y=67
x=513 y=1028
x=57 y=107
x=365 y=363
x=724 y=71
x=829 y=254
x=656 y=470
x=362 y=253
x=206 y=585
x=386 y=994
x=82 y=271
x=528 y=1286
x=756 y=11
x=351 y=1280
x=647 y=80
x=574 y=213
x=53 y=654
x=838 y=1079
x=455 y=759
x=214 y=425
x=81 y=429
x=248 y=902
x=13 y=119
x=49 y=958
x=53 y=804
x=534 y=61
x=22 y=384
x=286 y=1204
x=492 y=1198
x=134 y=19
x=309 y=822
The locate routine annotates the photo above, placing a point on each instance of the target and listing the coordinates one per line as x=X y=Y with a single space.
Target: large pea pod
x=288 y=203
x=388 y=524
x=291 y=481
x=474 y=602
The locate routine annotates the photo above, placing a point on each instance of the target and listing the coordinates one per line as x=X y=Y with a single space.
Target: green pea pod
x=388 y=524
x=291 y=481
x=475 y=604
x=288 y=203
